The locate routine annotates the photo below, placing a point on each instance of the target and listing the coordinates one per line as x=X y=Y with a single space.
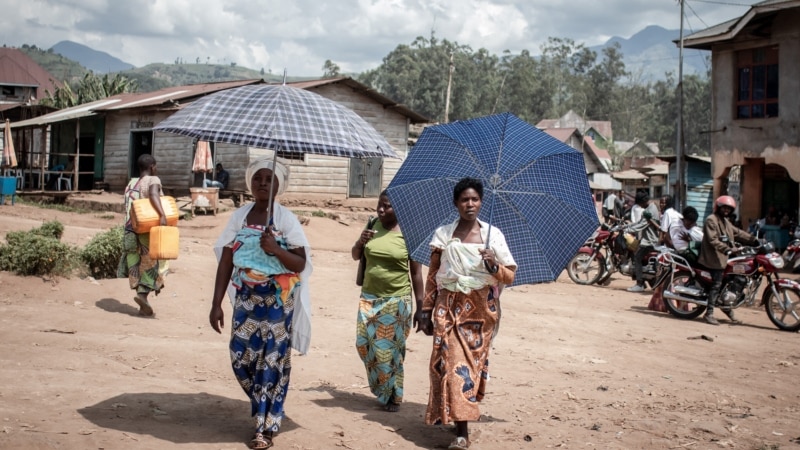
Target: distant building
x=22 y=81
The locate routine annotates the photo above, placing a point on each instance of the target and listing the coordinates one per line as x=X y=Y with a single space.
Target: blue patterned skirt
x=260 y=350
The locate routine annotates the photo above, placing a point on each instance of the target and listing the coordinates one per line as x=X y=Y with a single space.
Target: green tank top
x=386 y=273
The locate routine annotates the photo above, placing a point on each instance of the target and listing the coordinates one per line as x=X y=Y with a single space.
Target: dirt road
x=573 y=366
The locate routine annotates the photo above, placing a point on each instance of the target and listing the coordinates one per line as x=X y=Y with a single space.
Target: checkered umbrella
x=535 y=191
x=278 y=117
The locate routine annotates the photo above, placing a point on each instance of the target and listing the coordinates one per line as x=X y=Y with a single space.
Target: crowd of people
x=660 y=224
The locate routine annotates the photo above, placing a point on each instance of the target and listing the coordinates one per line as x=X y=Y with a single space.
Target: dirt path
x=573 y=366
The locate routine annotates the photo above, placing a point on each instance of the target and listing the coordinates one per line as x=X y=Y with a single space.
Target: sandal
x=460 y=443
x=144 y=306
x=261 y=442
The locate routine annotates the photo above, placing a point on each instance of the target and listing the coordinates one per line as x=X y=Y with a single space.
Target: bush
x=37 y=252
x=102 y=254
x=53 y=229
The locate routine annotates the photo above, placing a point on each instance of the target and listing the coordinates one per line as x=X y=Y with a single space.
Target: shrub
x=36 y=252
x=102 y=254
x=53 y=229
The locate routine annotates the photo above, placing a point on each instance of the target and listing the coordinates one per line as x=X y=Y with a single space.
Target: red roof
x=17 y=68
x=562 y=134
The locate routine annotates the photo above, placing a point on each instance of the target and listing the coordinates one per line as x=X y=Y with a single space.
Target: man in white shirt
x=685 y=231
x=608 y=206
x=668 y=217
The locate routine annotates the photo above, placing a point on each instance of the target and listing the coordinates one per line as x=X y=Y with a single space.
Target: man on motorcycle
x=648 y=225
x=719 y=236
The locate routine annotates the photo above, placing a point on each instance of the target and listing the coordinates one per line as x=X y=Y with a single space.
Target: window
x=757 y=83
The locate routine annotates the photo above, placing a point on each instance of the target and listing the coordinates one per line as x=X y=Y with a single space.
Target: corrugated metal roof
x=629 y=175
x=656 y=169
x=367 y=91
x=673 y=158
x=76 y=112
x=171 y=97
x=726 y=31
x=562 y=134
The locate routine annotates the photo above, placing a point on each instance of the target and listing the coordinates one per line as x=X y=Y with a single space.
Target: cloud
x=356 y=34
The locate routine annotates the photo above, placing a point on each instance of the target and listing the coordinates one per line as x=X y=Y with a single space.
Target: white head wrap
x=281 y=172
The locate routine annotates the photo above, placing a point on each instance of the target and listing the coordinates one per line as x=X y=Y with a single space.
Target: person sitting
x=221 y=179
x=647 y=222
x=52 y=179
x=685 y=235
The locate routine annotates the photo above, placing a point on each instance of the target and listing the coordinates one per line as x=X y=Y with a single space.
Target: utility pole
x=449 y=83
x=680 y=187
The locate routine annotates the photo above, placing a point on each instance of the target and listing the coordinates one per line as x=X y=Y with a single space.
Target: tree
x=330 y=69
x=89 y=89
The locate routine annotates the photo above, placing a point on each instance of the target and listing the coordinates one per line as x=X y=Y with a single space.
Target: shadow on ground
x=180 y=418
x=408 y=422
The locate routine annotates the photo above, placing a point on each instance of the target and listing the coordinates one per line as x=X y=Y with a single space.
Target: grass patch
x=319 y=213
x=54 y=206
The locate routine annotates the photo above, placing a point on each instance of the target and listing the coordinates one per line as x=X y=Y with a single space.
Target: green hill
x=63 y=69
x=151 y=77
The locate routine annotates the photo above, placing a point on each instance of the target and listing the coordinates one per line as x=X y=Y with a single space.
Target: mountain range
x=648 y=55
x=651 y=53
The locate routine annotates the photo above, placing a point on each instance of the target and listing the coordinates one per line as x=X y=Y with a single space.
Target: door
x=365 y=177
x=141 y=143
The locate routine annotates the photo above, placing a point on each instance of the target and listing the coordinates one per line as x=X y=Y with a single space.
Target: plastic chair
x=64 y=180
x=20 y=180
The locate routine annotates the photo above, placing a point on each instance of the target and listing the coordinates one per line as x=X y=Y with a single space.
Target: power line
x=723 y=3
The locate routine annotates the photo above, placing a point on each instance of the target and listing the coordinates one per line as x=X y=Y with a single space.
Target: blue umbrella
x=535 y=191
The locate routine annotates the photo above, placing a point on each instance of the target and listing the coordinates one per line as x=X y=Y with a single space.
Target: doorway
x=365 y=177
x=141 y=143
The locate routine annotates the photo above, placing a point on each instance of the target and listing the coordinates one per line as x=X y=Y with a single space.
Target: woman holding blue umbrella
x=461 y=310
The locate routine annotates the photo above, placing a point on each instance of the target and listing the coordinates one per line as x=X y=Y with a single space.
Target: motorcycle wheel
x=682 y=310
x=581 y=273
x=784 y=310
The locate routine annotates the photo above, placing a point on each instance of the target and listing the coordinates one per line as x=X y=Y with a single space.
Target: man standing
x=647 y=225
x=608 y=206
x=719 y=235
x=668 y=217
x=220 y=181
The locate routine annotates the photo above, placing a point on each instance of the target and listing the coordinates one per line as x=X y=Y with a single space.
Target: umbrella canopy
x=9 y=155
x=535 y=191
x=203 y=160
x=279 y=117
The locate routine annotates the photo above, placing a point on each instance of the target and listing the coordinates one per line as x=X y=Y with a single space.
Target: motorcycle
x=687 y=288
x=792 y=255
x=610 y=250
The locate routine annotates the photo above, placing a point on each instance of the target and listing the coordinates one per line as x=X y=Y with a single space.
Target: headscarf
x=281 y=172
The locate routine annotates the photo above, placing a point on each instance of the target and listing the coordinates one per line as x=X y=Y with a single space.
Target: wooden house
x=106 y=138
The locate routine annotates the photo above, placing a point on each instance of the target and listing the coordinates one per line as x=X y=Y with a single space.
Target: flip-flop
x=460 y=443
x=261 y=442
x=144 y=306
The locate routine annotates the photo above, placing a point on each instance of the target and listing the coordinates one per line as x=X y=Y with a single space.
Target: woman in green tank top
x=385 y=309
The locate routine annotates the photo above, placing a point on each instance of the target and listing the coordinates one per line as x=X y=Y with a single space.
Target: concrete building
x=755 y=131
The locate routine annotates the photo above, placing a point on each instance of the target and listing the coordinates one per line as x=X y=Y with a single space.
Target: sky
x=300 y=35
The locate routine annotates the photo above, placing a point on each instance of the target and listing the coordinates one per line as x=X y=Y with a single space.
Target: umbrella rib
x=470 y=153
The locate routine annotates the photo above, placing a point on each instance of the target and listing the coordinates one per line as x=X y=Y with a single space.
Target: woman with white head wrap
x=264 y=265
